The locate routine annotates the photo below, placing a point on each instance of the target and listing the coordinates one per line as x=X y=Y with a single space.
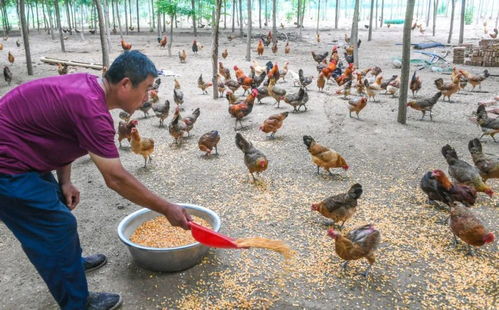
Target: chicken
x=359 y=243
x=373 y=89
x=415 y=84
x=225 y=54
x=141 y=146
x=195 y=47
x=346 y=90
x=438 y=187
x=7 y=75
x=340 y=207
x=304 y=80
x=348 y=58
x=18 y=43
x=11 y=58
x=273 y=123
x=220 y=86
x=345 y=76
x=126 y=46
x=274 y=72
x=176 y=128
x=182 y=55
x=162 y=42
x=124 y=116
x=243 y=109
x=356 y=105
x=260 y=48
x=425 y=105
x=154 y=96
x=225 y=72
x=287 y=48
x=489 y=126
x=208 y=142
x=385 y=84
x=320 y=57
x=465 y=225
x=161 y=111
x=258 y=80
x=321 y=82
x=231 y=98
x=203 y=85
x=475 y=80
x=245 y=82
x=274 y=48
x=156 y=84
x=494 y=35
x=463 y=172
x=1 y=47
x=258 y=69
x=276 y=92
x=125 y=130
x=347 y=38
x=62 y=69
x=232 y=85
x=393 y=87
x=324 y=157
x=262 y=93
x=284 y=71
x=178 y=95
x=331 y=67
x=448 y=89
x=190 y=120
x=487 y=164
x=254 y=159
x=145 y=108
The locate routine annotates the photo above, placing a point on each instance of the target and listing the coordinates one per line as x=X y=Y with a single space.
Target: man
x=45 y=125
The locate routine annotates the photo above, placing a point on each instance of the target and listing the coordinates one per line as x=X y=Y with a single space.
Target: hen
x=254 y=159
x=145 y=108
x=208 y=141
x=190 y=120
x=142 y=146
x=487 y=164
x=162 y=42
x=415 y=84
x=320 y=57
x=340 y=207
x=358 y=243
x=321 y=82
x=297 y=100
x=161 y=111
x=243 y=109
x=7 y=75
x=475 y=80
x=126 y=46
x=125 y=130
x=489 y=126
x=304 y=80
x=356 y=105
x=324 y=157
x=182 y=56
x=463 y=172
x=448 y=89
x=438 y=187
x=178 y=95
x=177 y=128
x=425 y=105
x=276 y=92
x=273 y=123
x=195 y=47
x=124 y=116
x=225 y=54
x=260 y=48
x=203 y=85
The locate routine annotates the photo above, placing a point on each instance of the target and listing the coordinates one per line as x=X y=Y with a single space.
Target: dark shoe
x=94 y=262
x=103 y=301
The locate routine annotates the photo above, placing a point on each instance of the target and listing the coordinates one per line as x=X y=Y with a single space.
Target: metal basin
x=165 y=259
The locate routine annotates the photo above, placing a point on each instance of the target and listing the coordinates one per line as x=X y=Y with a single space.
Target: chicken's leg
x=318 y=170
x=254 y=179
x=216 y=150
x=455 y=241
x=470 y=251
x=344 y=265
x=366 y=273
x=145 y=161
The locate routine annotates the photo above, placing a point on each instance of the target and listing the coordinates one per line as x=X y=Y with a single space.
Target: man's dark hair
x=133 y=65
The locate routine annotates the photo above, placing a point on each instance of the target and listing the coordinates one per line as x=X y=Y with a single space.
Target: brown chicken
x=161 y=111
x=260 y=48
x=448 y=89
x=324 y=157
x=487 y=164
x=463 y=172
x=489 y=126
x=415 y=84
x=321 y=82
x=438 y=187
x=287 y=48
x=225 y=72
x=126 y=46
x=356 y=105
x=190 y=120
x=284 y=71
x=358 y=243
x=425 y=105
x=208 y=142
x=373 y=89
x=220 y=86
x=203 y=85
x=475 y=80
x=11 y=58
x=7 y=75
x=177 y=128
x=331 y=67
x=1 y=47
x=273 y=123
x=231 y=98
x=62 y=69
x=465 y=225
x=225 y=54
x=125 y=130
x=340 y=207
x=141 y=146
x=276 y=92
x=345 y=76
x=182 y=55
x=254 y=159
x=178 y=94
x=274 y=72
x=274 y=48
x=243 y=109
x=162 y=42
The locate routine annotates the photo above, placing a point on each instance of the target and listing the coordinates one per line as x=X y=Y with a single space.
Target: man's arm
x=125 y=184
x=69 y=191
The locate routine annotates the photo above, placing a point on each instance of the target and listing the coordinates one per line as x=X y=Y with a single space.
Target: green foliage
x=468 y=15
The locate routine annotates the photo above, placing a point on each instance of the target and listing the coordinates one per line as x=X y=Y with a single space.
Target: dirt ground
x=416 y=266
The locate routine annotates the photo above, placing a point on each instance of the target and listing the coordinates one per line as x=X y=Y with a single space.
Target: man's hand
x=177 y=216
x=71 y=194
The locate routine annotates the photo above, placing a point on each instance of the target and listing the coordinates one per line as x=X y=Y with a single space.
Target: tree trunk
x=250 y=21
x=82 y=25
x=170 y=41
x=233 y=14
x=51 y=23
x=453 y=3
x=298 y=14
x=354 y=36
x=318 y=15
x=152 y=15
x=274 y=23
x=130 y=12
x=336 y=14
x=119 y=19
x=214 y=47
x=68 y=17
x=159 y=24
x=376 y=16
x=108 y=25
x=24 y=28
x=225 y=14
x=138 y=18
x=435 y=7
x=428 y=14
x=260 y=14
x=461 y=28
x=194 y=17
x=45 y=23
x=58 y=18
x=371 y=22
x=241 y=19
x=266 y=14
x=382 y=11
x=103 y=34
x=406 y=63
x=126 y=18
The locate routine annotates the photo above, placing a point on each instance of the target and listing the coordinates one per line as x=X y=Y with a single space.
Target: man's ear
x=126 y=83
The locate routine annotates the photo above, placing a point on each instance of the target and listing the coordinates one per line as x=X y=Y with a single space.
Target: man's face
x=134 y=97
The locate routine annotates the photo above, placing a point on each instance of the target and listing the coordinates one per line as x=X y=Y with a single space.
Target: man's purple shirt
x=47 y=123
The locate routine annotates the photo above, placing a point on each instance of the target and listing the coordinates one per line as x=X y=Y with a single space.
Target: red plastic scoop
x=211 y=238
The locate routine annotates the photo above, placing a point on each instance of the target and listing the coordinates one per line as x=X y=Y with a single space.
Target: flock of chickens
x=261 y=82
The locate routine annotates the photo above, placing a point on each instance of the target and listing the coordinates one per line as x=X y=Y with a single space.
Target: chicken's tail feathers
x=242 y=143
x=449 y=153
x=356 y=191
x=308 y=140
x=475 y=146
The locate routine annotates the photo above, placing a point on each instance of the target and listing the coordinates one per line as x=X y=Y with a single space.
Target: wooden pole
x=406 y=63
